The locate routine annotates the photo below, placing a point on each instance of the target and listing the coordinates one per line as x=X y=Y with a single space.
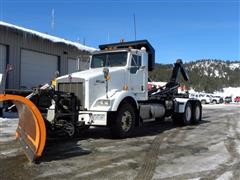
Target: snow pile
x=49 y=37
x=230 y=91
x=234 y=66
x=8 y=128
x=158 y=84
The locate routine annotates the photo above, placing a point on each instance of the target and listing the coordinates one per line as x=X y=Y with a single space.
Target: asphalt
x=209 y=150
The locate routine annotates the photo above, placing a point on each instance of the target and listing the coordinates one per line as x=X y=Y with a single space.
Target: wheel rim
x=188 y=114
x=126 y=121
x=197 y=113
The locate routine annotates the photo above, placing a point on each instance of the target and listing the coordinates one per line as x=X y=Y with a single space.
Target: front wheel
x=214 y=102
x=124 y=121
x=203 y=102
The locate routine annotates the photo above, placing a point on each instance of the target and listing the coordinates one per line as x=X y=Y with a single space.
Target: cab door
x=137 y=82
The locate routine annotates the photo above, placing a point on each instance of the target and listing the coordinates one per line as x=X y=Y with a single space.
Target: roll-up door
x=3 y=59
x=72 y=65
x=37 y=68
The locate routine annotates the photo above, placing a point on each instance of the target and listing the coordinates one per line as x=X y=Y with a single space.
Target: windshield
x=109 y=59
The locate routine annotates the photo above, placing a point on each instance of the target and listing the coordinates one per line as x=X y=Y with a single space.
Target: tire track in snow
x=150 y=160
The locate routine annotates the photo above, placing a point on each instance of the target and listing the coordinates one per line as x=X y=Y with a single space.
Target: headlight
x=103 y=102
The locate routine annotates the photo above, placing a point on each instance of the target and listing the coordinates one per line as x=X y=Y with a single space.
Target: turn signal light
x=125 y=87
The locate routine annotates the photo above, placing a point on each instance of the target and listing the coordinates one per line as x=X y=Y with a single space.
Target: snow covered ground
x=8 y=126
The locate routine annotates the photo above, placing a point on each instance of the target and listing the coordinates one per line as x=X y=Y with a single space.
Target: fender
x=119 y=96
x=180 y=104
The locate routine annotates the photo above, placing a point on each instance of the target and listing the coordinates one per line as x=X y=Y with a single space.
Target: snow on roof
x=50 y=37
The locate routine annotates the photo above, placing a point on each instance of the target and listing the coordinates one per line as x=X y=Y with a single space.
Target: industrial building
x=35 y=56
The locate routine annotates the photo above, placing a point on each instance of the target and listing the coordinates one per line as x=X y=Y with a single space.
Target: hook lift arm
x=171 y=87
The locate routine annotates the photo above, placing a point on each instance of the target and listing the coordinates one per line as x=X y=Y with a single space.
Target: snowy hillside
x=205 y=75
x=214 y=68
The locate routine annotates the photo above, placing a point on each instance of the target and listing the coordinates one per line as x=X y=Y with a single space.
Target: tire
x=124 y=122
x=214 y=102
x=203 y=102
x=1 y=112
x=197 y=113
x=162 y=119
x=176 y=118
x=187 y=115
x=183 y=118
x=70 y=130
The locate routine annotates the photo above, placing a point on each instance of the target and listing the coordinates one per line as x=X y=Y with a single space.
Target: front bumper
x=94 y=118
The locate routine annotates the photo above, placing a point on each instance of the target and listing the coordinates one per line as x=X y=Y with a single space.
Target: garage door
x=37 y=68
x=83 y=65
x=72 y=65
x=3 y=59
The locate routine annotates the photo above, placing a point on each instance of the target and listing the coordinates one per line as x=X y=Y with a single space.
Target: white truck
x=113 y=92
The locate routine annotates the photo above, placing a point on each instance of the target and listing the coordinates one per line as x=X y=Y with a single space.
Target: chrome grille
x=74 y=87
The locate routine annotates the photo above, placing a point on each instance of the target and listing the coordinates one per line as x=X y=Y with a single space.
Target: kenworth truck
x=112 y=92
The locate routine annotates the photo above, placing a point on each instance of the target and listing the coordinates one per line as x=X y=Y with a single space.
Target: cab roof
x=135 y=45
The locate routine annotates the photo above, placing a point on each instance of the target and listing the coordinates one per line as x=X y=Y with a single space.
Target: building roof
x=49 y=37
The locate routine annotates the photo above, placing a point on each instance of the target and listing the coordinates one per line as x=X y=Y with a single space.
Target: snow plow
x=31 y=130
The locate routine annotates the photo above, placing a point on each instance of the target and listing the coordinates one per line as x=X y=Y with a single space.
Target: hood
x=88 y=74
x=94 y=84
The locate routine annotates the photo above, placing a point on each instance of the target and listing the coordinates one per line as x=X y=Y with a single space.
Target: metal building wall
x=17 y=40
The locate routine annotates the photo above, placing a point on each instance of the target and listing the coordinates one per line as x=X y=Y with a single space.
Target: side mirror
x=106 y=73
x=142 y=67
x=56 y=74
x=9 y=68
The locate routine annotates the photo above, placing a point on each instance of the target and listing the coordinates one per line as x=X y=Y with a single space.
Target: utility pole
x=53 y=19
x=135 y=31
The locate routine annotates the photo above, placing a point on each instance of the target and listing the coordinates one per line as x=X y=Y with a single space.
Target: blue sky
x=189 y=30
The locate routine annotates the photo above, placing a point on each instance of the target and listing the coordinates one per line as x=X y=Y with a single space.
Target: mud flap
x=31 y=130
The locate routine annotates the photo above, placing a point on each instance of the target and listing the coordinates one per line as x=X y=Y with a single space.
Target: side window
x=135 y=64
x=136 y=61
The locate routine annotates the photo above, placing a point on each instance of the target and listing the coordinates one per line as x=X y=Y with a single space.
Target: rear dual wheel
x=197 y=113
x=192 y=114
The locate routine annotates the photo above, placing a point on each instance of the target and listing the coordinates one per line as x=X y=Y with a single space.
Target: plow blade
x=31 y=130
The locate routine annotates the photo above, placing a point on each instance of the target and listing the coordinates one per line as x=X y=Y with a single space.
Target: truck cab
x=127 y=71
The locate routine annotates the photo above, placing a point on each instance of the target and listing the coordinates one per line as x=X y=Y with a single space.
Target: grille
x=76 y=88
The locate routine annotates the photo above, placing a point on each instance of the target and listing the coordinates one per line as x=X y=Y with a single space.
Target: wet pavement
x=209 y=150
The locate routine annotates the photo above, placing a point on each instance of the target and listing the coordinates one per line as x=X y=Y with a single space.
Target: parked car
x=228 y=99
x=237 y=99
x=204 y=98
x=216 y=99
